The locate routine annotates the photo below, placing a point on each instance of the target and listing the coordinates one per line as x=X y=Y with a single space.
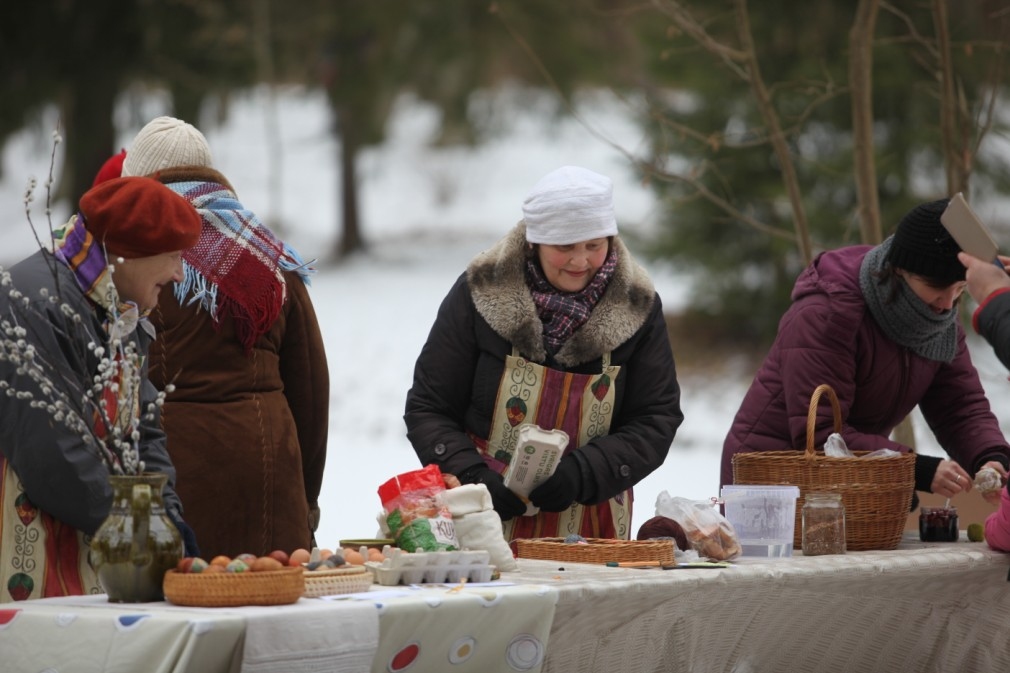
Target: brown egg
x=213 y=569
x=184 y=564
x=299 y=556
x=265 y=563
x=325 y=554
x=354 y=557
x=280 y=555
x=222 y=561
x=375 y=555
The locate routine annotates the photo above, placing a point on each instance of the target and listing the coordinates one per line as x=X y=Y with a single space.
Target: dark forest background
x=777 y=128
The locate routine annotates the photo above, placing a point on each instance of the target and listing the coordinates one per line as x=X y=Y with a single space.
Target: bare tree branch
x=778 y=140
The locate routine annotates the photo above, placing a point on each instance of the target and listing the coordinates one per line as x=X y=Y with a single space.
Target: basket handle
x=812 y=414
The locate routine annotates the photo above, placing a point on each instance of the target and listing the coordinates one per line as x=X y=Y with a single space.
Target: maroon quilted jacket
x=829 y=336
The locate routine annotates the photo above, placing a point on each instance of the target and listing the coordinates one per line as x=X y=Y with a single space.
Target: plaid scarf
x=74 y=245
x=234 y=270
x=564 y=312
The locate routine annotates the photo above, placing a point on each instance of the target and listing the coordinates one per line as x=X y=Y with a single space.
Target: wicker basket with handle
x=876 y=492
x=596 y=550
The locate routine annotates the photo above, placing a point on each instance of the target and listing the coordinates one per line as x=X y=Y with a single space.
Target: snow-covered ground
x=425 y=213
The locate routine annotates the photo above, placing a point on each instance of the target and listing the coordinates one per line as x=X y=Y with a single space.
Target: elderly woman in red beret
x=105 y=273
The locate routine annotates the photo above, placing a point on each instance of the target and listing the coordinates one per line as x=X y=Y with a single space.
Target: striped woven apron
x=580 y=404
x=40 y=557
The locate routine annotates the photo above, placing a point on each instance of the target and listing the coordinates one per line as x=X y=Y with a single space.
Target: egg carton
x=431 y=567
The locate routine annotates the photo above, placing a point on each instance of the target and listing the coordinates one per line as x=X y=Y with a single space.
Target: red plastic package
x=416 y=513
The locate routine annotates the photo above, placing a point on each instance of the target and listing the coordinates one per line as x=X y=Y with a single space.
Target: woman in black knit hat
x=880 y=326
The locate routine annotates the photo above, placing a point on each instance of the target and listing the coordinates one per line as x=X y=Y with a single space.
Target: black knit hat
x=923 y=246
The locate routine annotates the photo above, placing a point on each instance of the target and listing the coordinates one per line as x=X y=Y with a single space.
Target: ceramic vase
x=137 y=542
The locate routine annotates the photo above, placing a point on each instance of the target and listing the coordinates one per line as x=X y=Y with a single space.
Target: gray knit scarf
x=906 y=320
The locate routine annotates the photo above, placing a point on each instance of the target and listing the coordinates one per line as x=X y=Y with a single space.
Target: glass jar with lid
x=938 y=524
x=823 y=524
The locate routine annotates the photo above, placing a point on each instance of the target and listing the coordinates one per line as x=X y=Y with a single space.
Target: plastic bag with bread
x=707 y=531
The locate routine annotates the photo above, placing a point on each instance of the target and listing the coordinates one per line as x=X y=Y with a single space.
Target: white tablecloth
x=86 y=634
x=919 y=608
x=938 y=607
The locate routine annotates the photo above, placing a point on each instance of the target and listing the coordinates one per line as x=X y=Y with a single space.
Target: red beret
x=112 y=168
x=139 y=217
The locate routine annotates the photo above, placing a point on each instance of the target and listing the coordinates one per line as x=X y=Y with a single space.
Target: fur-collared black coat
x=489 y=311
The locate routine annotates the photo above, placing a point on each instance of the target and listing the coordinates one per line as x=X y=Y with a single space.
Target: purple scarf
x=564 y=312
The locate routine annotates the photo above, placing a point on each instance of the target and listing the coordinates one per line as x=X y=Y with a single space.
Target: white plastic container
x=537 y=455
x=764 y=518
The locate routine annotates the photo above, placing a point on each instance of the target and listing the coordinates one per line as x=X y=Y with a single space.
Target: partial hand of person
x=984 y=277
x=190 y=547
x=993 y=498
x=950 y=479
x=558 y=493
x=503 y=499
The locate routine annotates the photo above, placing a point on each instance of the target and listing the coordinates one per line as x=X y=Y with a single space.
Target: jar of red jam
x=938 y=524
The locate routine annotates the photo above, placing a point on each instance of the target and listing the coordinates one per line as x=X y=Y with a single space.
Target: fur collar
x=192 y=174
x=497 y=280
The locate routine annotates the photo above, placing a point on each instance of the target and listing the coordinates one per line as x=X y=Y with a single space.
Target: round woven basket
x=876 y=492
x=344 y=580
x=597 y=550
x=218 y=590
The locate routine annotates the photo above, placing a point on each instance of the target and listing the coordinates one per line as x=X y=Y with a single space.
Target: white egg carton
x=430 y=567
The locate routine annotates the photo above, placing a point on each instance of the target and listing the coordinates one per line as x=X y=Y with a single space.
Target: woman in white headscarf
x=558 y=326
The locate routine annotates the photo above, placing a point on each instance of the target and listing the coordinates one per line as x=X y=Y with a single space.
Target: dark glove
x=562 y=488
x=189 y=546
x=503 y=499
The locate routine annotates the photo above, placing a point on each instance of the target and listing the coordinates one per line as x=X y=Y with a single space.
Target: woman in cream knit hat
x=238 y=336
x=557 y=326
x=166 y=142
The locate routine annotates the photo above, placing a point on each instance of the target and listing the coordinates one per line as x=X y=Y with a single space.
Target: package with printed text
x=416 y=512
x=537 y=455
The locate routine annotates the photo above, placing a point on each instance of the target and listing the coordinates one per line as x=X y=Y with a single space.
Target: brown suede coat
x=247 y=433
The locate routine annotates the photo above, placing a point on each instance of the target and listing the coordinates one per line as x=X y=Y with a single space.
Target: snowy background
x=426 y=212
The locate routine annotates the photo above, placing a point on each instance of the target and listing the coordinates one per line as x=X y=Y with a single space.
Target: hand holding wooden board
x=971 y=235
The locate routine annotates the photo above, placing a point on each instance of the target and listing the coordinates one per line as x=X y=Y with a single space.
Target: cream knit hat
x=570 y=205
x=166 y=142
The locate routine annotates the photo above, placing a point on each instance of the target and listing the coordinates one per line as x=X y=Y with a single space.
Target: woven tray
x=876 y=492
x=219 y=590
x=598 y=550
x=345 y=580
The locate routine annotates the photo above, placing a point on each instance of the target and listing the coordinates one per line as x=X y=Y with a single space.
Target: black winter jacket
x=489 y=311
x=59 y=472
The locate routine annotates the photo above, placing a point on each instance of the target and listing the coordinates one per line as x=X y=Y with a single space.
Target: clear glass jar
x=938 y=524
x=823 y=524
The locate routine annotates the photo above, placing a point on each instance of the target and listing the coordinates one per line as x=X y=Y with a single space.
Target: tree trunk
x=275 y=148
x=88 y=132
x=861 y=85
x=350 y=233
x=956 y=153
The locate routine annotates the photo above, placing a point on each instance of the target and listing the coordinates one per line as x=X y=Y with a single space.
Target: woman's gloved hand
x=505 y=502
x=559 y=492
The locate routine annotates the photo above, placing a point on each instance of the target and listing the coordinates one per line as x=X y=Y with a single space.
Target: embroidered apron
x=580 y=404
x=40 y=557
